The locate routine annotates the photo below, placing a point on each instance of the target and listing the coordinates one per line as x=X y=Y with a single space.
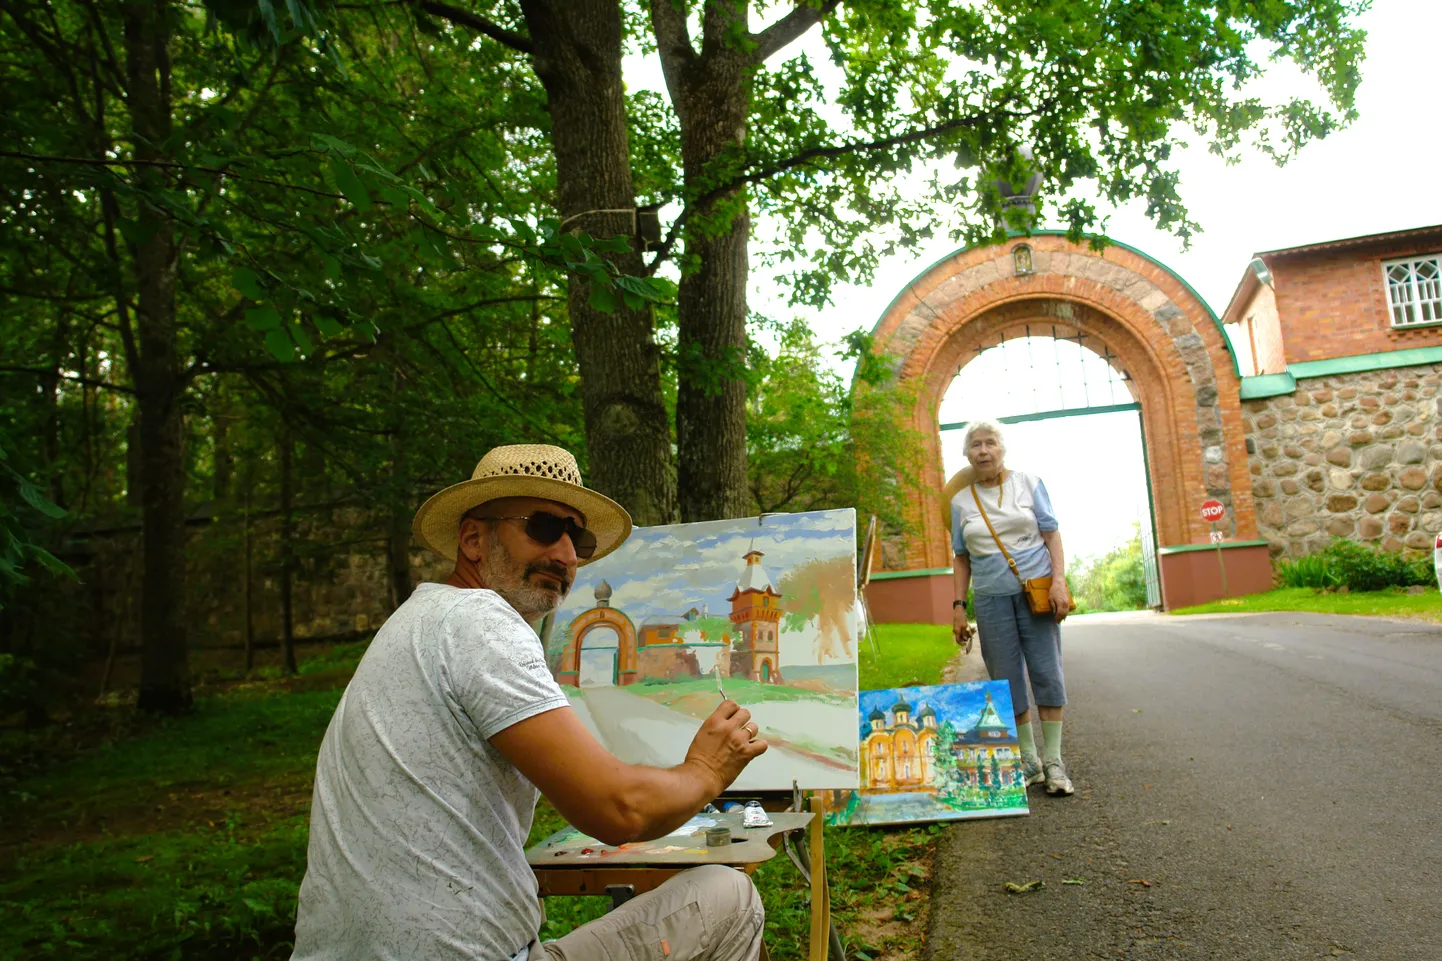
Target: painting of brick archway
x=763 y=609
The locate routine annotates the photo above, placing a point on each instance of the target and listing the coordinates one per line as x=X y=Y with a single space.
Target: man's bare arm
x=617 y=802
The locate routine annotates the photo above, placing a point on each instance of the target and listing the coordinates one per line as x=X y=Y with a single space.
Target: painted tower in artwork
x=756 y=612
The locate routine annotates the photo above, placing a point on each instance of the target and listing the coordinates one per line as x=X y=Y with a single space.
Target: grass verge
x=1391 y=603
x=123 y=838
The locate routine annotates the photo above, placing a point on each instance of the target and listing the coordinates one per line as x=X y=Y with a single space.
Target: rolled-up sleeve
x=1041 y=506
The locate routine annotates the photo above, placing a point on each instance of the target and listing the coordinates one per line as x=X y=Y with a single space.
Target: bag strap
x=1009 y=562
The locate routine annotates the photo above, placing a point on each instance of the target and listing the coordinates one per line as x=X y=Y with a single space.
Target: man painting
x=429 y=773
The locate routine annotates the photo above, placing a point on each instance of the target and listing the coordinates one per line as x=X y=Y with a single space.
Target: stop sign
x=1213 y=511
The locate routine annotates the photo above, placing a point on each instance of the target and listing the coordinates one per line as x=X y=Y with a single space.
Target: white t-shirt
x=1020 y=510
x=418 y=825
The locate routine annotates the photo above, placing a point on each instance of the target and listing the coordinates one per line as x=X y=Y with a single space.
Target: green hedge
x=1356 y=567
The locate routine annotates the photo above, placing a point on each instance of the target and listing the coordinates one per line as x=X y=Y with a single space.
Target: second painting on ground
x=937 y=753
x=764 y=609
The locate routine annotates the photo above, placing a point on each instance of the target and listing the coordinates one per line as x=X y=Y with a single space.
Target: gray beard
x=499 y=573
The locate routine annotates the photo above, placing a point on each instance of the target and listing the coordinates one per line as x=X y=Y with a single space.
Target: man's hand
x=961 y=631
x=726 y=743
x=1060 y=599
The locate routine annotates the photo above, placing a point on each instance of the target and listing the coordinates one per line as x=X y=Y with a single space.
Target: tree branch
x=800 y=160
x=50 y=372
x=465 y=18
x=790 y=27
x=673 y=44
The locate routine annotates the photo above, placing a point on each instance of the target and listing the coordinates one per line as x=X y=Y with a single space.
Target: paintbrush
x=719 y=689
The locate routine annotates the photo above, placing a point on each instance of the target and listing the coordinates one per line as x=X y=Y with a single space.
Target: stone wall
x=1355 y=455
x=341 y=587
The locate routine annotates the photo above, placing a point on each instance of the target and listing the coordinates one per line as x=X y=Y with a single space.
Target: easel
x=622 y=873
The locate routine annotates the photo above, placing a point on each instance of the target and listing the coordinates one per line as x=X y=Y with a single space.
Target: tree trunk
x=164 y=666
x=287 y=551
x=710 y=93
x=577 y=56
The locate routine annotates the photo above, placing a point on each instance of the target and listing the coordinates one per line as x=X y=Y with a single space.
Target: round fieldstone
x=1299 y=528
x=1403 y=413
x=1328 y=410
x=1431 y=499
x=1290 y=486
x=1370 y=402
x=1411 y=452
x=1270 y=514
x=1341 y=503
x=1266 y=420
x=1418 y=541
x=1312 y=460
x=1382 y=417
x=1409 y=504
x=1361 y=438
x=1293 y=451
x=1376 y=503
x=1431 y=523
x=1321 y=396
x=1413 y=478
x=1342 y=526
x=1270 y=452
x=1316 y=481
x=1392 y=432
x=1392 y=543
x=1331 y=439
x=1369 y=528
x=1347 y=393
x=1376 y=482
x=1299 y=507
x=1399 y=523
x=1264 y=487
x=1341 y=456
x=1378 y=455
x=1284 y=469
x=1339 y=480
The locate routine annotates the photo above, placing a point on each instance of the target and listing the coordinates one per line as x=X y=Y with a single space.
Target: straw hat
x=521 y=470
x=960 y=479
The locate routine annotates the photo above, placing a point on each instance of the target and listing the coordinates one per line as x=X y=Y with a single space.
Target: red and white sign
x=1213 y=511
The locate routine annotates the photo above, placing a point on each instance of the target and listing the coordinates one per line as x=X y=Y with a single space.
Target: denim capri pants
x=1017 y=644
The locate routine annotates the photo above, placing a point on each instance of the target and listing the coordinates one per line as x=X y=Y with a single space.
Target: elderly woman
x=1022 y=542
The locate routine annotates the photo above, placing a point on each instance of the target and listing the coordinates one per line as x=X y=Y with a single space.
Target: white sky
x=1377 y=175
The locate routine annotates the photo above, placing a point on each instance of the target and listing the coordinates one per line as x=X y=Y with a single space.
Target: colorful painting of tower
x=756 y=612
x=900 y=756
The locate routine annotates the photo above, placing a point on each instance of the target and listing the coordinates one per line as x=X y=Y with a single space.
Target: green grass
x=909 y=654
x=130 y=839
x=1393 y=603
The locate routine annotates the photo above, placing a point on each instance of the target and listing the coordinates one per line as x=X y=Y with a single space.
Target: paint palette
x=569 y=847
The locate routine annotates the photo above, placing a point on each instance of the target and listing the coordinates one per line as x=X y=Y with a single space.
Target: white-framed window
x=1414 y=290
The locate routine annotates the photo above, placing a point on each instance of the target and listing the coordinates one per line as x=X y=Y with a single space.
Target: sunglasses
x=545 y=529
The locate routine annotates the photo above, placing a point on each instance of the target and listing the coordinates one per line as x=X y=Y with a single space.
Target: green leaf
x=279 y=344
x=350 y=185
x=262 y=318
x=601 y=298
x=328 y=326
x=298 y=334
x=247 y=282
x=39 y=501
x=331 y=266
x=134 y=232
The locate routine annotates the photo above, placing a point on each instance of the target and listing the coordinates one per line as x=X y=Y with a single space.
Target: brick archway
x=569 y=671
x=1182 y=372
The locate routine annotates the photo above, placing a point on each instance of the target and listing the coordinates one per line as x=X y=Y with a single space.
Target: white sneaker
x=1057 y=783
x=1031 y=770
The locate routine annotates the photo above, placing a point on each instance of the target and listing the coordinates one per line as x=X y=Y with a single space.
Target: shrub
x=1357 y=567
x=1116 y=581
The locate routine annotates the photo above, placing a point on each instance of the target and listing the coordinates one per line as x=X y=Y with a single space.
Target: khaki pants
x=711 y=913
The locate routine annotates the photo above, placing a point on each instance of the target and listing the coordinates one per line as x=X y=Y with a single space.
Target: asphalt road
x=1276 y=779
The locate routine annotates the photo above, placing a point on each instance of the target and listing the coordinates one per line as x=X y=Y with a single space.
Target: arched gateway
x=1148 y=322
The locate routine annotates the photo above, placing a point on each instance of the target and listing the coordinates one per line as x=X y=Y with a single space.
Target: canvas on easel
x=940 y=752
x=764 y=608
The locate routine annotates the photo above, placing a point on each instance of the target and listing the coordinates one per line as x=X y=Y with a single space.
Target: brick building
x=1340 y=348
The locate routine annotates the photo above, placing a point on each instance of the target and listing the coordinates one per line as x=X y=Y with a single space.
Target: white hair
x=984 y=426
